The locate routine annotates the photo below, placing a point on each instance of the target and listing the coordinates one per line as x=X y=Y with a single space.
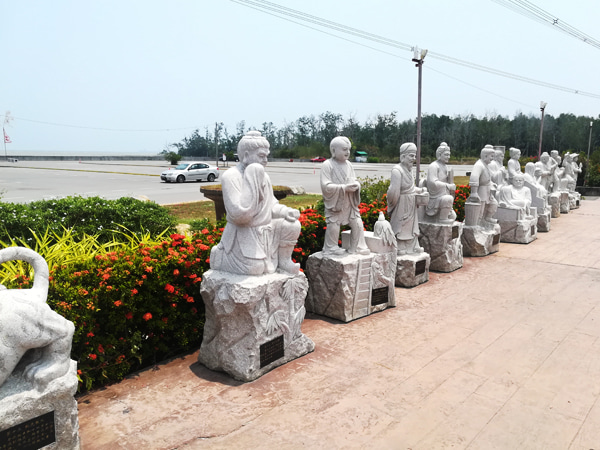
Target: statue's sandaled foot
x=335 y=251
x=289 y=267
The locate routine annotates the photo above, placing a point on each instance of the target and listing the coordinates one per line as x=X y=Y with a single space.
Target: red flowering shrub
x=461 y=196
x=133 y=307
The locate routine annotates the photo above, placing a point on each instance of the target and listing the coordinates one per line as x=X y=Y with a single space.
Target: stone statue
x=260 y=234
x=533 y=175
x=547 y=167
x=482 y=187
x=441 y=188
x=577 y=168
x=516 y=196
x=569 y=172
x=403 y=197
x=341 y=195
x=558 y=172
x=27 y=322
x=513 y=165
x=497 y=169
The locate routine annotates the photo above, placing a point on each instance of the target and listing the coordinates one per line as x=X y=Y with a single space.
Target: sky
x=133 y=77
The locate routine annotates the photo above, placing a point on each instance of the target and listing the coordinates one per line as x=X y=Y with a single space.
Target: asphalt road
x=27 y=181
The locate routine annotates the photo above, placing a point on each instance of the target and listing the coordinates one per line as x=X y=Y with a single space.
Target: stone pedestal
x=543 y=221
x=565 y=204
x=554 y=202
x=515 y=227
x=480 y=241
x=443 y=244
x=412 y=270
x=348 y=287
x=574 y=199
x=33 y=419
x=252 y=322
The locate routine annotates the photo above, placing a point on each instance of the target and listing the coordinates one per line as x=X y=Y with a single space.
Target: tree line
x=382 y=135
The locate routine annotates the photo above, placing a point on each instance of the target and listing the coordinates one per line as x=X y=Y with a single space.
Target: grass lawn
x=186 y=212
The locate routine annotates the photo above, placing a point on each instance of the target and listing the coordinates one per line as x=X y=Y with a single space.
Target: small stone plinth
x=543 y=221
x=20 y=402
x=443 y=244
x=253 y=323
x=515 y=227
x=349 y=287
x=412 y=269
x=480 y=241
x=554 y=202
x=574 y=198
x=565 y=204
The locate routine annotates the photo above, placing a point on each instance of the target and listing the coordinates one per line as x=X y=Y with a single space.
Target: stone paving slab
x=501 y=354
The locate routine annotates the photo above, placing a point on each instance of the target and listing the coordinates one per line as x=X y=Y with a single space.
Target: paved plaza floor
x=501 y=354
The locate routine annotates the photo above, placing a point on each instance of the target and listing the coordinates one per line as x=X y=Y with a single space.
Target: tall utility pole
x=542 y=108
x=418 y=57
x=587 y=169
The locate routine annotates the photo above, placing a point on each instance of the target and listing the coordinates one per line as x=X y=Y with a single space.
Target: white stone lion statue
x=28 y=323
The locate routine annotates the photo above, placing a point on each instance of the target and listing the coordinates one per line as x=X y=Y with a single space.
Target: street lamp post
x=418 y=57
x=587 y=169
x=542 y=108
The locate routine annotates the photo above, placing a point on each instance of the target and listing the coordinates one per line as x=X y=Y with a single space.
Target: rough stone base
x=412 y=270
x=574 y=198
x=21 y=402
x=564 y=202
x=443 y=244
x=246 y=317
x=479 y=241
x=554 y=202
x=543 y=221
x=518 y=232
x=349 y=287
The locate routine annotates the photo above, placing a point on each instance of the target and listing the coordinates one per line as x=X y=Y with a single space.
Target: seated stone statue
x=403 y=197
x=341 y=195
x=260 y=234
x=482 y=188
x=441 y=188
x=497 y=169
x=516 y=196
x=533 y=175
x=513 y=165
x=577 y=166
x=27 y=322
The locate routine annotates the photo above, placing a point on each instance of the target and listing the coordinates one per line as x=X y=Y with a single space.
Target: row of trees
x=381 y=136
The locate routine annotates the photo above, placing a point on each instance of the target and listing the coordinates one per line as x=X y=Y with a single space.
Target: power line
x=284 y=13
x=536 y=13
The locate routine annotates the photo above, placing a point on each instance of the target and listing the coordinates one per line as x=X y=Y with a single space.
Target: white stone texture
x=565 y=204
x=245 y=312
x=554 y=202
x=412 y=269
x=341 y=286
x=544 y=210
x=515 y=226
x=444 y=245
x=480 y=241
x=20 y=401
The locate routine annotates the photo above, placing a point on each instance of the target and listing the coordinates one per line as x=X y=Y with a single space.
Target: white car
x=190 y=171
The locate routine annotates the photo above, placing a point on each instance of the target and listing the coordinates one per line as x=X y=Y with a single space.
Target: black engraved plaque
x=379 y=296
x=496 y=239
x=532 y=230
x=577 y=202
x=420 y=267
x=271 y=351
x=454 y=231
x=31 y=435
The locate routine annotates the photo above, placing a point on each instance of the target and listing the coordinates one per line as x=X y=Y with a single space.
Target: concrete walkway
x=501 y=354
